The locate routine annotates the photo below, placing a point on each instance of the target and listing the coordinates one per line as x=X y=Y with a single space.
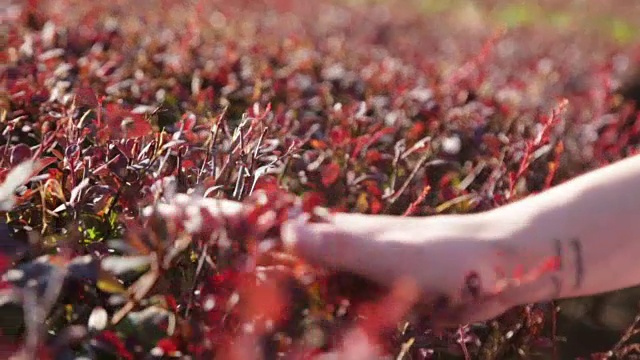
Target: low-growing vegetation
x=122 y=122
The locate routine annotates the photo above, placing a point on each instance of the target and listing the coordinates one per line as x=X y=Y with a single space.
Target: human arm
x=591 y=223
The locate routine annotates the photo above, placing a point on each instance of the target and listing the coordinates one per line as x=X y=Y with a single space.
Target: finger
x=355 y=249
x=368 y=226
x=182 y=203
x=374 y=224
x=218 y=207
x=324 y=244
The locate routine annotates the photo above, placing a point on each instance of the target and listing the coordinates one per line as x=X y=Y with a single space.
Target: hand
x=452 y=259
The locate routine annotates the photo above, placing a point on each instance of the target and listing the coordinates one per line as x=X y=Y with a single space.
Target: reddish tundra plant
x=123 y=127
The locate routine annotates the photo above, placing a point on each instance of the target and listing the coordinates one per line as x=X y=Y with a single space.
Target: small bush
x=122 y=122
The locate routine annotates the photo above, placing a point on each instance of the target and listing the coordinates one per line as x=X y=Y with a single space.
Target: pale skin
x=590 y=225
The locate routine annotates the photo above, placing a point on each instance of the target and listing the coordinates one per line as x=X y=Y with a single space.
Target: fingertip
x=218 y=207
x=331 y=245
x=316 y=243
x=293 y=232
x=289 y=235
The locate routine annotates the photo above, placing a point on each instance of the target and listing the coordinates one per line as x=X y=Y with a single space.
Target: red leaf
x=492 y=143
x=417 y=131
x=338 y=136
x=122 y=123
x=85 y=96
x=330 y=174
x=372 y=188
x=5 y=263
x=368 y=140
x=172 y=304
x=373 y=156
x=169 y=346
x=116 y=343
x=19 y=153
x=375 y=205
x=187 y=122
x=317 y=144
x=135 y=125
x=360 y=142
x=312 y=199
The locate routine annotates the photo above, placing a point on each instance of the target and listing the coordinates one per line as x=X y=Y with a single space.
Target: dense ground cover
x=119 y=119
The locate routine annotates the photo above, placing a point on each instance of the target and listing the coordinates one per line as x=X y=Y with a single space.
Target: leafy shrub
x=121 y=123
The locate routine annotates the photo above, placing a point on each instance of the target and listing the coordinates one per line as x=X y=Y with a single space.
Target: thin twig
x=393 y=198
x=35 y=312
x=201 y=262
x=627 y=335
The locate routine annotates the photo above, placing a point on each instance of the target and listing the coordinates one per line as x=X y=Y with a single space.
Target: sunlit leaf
x=119 y=265
x=330 y=173
x=17 y=177
x=464 y=200
x=110 y=284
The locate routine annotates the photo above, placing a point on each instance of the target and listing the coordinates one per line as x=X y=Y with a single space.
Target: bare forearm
x=591 y=223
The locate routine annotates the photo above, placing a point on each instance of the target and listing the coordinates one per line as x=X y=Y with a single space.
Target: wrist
x=527 y=255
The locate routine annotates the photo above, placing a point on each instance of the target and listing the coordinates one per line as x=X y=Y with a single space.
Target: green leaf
x=110 y=284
